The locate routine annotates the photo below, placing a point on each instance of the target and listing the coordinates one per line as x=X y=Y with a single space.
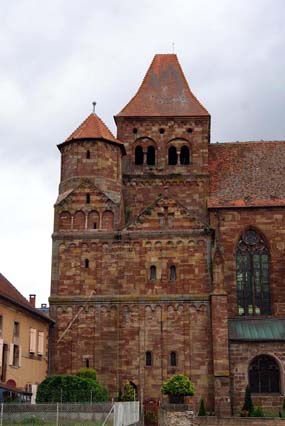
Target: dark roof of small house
x=93 y=127
x=247 y=174
x=11 y=294
x=257 y=329
x=164 y=92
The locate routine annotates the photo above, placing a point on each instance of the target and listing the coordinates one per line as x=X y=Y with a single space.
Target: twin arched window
x=153 y=274
x=252 y=274
x=264 y=375
x=150 y=155
x=184 y=157
x=173 y=156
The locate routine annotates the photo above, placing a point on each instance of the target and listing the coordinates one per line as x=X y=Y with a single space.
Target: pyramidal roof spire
x=93 y=128
x=164 y=92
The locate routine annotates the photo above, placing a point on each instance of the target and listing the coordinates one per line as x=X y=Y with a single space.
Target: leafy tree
x=129 y=393
x=202 y=409
x=67 y=388
x=248 y=404
x=177 y=387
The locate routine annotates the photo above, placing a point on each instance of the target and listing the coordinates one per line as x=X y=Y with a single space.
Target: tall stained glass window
x=252 y=274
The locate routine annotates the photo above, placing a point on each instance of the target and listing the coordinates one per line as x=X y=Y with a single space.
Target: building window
x=88 y=154
x=172 y=273
x=87 y=364
x=172 y=156
x=15 y=355
x=264 y=375
x=173 y=359
x=184 y=155
x=150 y=156
x=252 y=272
x=16 y=330
x=87 y=198
x=86 y=263
x=152 y=275
x=148 y=359
x=138 y=155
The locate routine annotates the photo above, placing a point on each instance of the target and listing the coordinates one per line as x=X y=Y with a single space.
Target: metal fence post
x=57 y=413
x=1 y=415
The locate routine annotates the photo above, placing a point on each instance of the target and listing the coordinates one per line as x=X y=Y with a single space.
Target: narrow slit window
x=152 y=273
x=94 y=225
x=87 y=198
x=173 y=359
x=88 y=156
x=87 y=364
x=148 y=358
x=86 y=263
x=172 y=273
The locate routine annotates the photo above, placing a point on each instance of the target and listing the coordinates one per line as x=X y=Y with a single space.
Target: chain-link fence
x=56 y=414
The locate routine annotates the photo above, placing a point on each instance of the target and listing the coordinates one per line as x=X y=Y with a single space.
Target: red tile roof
x=9 y=292
x=93 y=128
x=247 y=174
x=164 y=92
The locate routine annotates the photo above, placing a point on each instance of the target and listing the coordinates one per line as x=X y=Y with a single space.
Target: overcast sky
x=59 y=56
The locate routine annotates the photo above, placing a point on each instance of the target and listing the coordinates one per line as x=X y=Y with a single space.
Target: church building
x=168 y=252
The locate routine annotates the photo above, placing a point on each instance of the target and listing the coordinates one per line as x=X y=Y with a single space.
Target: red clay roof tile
x=8 y=291
x=164 y=92
x=93 y=128
x=247 y=174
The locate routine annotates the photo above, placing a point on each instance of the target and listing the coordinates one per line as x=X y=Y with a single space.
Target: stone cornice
x=122 y=299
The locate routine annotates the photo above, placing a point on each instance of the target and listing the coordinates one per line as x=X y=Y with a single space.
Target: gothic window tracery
x=252 y=275
x=264 y=375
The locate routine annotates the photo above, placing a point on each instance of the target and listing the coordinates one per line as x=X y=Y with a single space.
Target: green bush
x=87 y=373
x=178 y=384
x=202 y=409
x=129 y=393
x=257 y=412
x=65 y=388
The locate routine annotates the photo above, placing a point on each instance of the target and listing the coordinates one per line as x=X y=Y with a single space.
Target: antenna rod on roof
x=94 y=105
x=173 y=47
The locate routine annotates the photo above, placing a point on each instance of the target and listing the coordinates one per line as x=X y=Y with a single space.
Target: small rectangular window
x=148 y=359
x=16 y=331
x=88 y=198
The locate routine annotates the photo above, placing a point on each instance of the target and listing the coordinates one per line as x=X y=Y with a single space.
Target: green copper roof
x=257 y=329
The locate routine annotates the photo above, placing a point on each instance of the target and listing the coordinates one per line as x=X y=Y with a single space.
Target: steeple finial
x=94 y=105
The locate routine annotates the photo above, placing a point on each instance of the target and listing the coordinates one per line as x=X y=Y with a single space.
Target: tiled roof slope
x=93 y=128
x=164 y=92
x=244 y=174
x=8 y=291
